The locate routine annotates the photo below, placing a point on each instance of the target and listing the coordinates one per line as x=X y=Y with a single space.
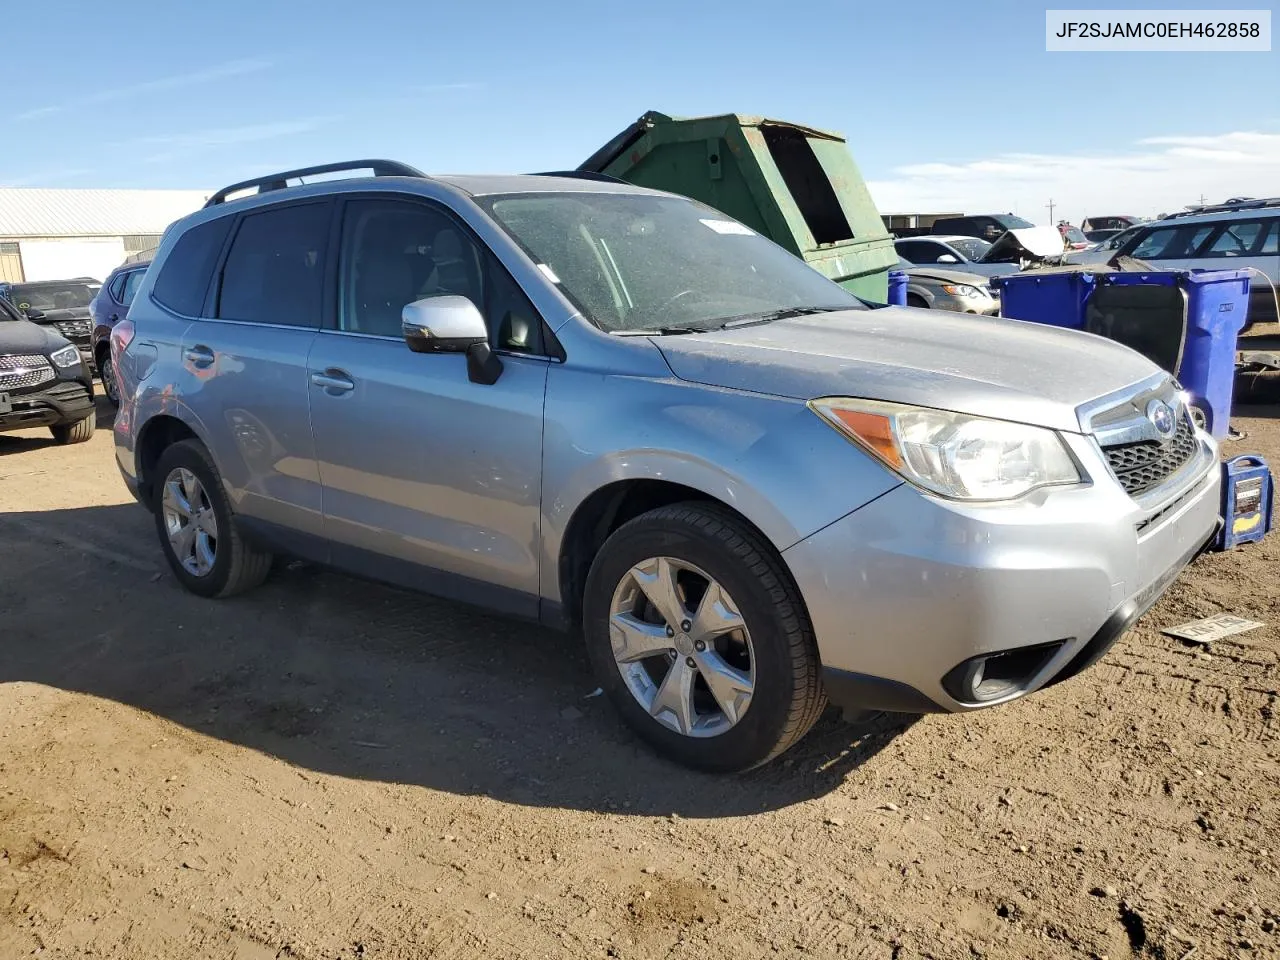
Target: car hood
x=63 y=315
x=23 y=336
x=1007 y=369
x=948 y=276
x=1032 y=242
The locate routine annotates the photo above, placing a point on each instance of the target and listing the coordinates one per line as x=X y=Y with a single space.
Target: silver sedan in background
x=949 y=290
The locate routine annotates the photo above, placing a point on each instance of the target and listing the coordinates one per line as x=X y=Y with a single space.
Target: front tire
x=698 y=634
x=78 y=432
x=197 y=528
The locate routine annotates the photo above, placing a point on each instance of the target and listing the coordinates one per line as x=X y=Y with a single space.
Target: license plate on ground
x=5 y=405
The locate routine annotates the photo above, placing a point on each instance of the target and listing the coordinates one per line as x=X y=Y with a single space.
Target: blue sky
x=944 y=103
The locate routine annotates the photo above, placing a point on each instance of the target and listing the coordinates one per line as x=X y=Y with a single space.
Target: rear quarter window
x=184 y=276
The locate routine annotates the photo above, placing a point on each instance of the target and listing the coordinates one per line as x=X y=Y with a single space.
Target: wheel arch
x=604 y=511
x=157 y=435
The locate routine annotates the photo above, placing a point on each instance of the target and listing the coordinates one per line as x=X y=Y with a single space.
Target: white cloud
x=1154 y=175
x=221 y=71
x=170 y=147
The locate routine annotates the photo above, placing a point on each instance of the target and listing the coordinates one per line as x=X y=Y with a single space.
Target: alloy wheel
x=682 y=647
x=190 y=522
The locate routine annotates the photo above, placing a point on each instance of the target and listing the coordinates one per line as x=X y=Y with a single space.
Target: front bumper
x=907 y=593
x=59 y=402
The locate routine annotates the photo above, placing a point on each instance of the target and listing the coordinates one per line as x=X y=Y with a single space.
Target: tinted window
x=116 y=289
x=394 y=253
x=921 y=251
x=184 y=276
x=131 y=282
x=1238 y=239
x=275 y=269
x=1171 y=243
x=1271 y=242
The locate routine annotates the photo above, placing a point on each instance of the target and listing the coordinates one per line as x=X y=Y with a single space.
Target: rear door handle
x=199 y=355
x=333 y=381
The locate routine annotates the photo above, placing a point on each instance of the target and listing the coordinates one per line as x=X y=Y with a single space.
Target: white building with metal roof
x=58 y=234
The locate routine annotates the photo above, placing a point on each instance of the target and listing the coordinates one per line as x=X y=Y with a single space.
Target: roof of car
x=483 y=184
x=1217 y=216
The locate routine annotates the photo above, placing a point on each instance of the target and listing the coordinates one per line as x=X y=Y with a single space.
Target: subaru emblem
x=1161 y=416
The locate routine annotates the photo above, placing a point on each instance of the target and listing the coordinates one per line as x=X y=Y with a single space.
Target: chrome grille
x=74 y=328
x=24 y=370
x=1145 y=464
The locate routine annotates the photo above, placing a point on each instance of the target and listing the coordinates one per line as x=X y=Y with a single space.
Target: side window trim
x=551 y=347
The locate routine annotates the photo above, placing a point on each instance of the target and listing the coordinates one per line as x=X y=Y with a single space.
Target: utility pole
x=1202 y=199
x=1051 y=205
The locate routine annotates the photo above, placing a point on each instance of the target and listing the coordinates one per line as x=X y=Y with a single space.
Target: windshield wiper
x=663 y=331
x=768 y=316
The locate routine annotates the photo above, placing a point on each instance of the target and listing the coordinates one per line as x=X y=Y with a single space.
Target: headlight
x=66 y=357
x=953 y=454
x=961 y=290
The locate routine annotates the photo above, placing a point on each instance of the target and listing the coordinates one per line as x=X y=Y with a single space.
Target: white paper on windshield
x=548 y=273
x=729 y=227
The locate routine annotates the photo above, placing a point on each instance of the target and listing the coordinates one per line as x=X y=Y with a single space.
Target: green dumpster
x=796 y=185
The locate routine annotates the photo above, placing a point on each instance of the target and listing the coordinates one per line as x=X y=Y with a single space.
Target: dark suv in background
x=61 y=304
x=987 y=226
x=44 y=381
x=105 y=311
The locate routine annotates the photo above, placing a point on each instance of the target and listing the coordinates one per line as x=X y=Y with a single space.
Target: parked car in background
x=987 y=226
x=44 y=380
x=955 y=290
x=618 y=410
x=1072 y=237
x=964 y=253
x=1104 y=250
x=106 y=310
x=1238 y=236
x=1109 y=223
x=1098 y=236
x=61 y=304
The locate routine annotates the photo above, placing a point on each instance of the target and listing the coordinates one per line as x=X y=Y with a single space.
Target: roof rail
x=579 y=175
x=279 y=181
x=1241 y=203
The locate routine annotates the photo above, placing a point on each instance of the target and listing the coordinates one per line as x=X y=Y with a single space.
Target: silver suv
x=616 y=410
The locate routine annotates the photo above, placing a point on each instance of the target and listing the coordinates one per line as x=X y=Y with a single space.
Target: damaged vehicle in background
x=1012 y=251
x=61 y=304
x=937 y=289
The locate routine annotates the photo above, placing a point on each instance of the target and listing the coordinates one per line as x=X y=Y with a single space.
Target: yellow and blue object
x=1247 y=489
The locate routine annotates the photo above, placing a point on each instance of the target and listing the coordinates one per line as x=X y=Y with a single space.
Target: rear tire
x=785 y=692
x=235 y=565
x=78 y=432
x=107 y=374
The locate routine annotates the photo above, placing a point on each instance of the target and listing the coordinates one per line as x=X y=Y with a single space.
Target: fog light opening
x=996 y=675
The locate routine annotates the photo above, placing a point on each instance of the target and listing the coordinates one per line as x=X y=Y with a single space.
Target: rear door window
x=274 y=272
x=1172 y=242
x=1240 y=238
x=131 y=282
x=184 y=276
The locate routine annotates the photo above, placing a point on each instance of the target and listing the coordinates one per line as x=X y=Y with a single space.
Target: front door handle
x=199 y=355
x=334 y=381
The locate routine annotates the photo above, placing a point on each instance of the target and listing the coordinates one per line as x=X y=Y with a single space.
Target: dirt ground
x=330 y=769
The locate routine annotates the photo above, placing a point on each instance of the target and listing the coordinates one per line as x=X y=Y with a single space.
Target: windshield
x=1010 y=222
x=971 y=248
x=634 y=263
x=52 y=296
x=1074 y=235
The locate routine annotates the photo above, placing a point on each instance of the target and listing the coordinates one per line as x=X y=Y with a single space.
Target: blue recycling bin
x=1188 y=322
x=897 y=288
x=1056 y=299
x=1185 y=321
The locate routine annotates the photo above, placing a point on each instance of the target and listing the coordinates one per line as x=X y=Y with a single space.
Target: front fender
x=771 y=459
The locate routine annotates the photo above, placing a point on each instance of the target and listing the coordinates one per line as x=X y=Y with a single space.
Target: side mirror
x=948 y=258
x=451 y=324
